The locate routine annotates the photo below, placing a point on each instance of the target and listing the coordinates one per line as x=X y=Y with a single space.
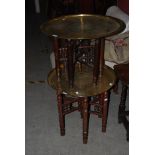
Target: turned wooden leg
x=61 y=116
x=85 y=120
x=96 y=61
x=121 y=111
x=105 y=111
x=102 y=61
x=127 y=134
x=70 y=64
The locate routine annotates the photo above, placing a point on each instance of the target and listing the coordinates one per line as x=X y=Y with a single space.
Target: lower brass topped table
x=79 y=40
x=83 y=89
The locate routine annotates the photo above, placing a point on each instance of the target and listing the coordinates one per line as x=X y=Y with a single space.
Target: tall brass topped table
x=80 y=27
x=79 y=40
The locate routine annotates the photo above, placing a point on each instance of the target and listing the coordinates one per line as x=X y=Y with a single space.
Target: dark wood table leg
x=122 y=113
x=105 y=111
x=102 y=61
x=85 y=120
x=61 y=116
x=70 y=63
x=126 y=125
x=96 y=61
x=55 y=44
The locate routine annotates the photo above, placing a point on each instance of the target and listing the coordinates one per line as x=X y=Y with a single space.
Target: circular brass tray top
x=83 y=85
x=83 y=26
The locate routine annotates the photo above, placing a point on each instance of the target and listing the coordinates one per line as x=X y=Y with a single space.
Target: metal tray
x=83 y=85
x=83 y=26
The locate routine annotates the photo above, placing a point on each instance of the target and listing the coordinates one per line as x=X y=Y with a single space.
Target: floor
x=42 y=128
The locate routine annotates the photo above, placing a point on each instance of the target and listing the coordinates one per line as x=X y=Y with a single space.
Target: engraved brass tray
x=83 y=26
x=83 y=84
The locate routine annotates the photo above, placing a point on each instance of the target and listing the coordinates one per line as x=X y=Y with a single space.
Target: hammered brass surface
x=83 y=85
x=83 y=26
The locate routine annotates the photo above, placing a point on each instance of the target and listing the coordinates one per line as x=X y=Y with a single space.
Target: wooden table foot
x=85 y=120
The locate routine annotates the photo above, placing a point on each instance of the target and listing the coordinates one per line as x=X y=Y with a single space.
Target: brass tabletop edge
x=122 y=26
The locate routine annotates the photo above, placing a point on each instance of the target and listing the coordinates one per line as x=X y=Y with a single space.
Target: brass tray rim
x=122 y=26
x=63 y=91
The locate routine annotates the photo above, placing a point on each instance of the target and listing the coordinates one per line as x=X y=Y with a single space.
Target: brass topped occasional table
x=72 y=38
x=79 y=27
